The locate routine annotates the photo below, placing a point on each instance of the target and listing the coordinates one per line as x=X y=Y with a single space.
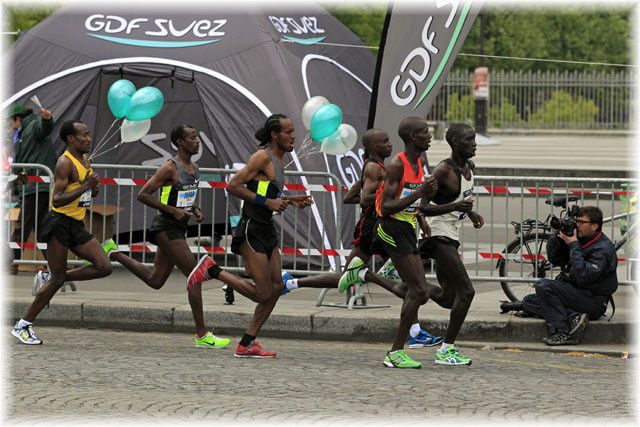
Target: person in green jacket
x=32 y=145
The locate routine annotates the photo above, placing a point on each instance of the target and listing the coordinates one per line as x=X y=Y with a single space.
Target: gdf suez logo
x=408 y=88
x=407 y=92
x=203 y=30
x=298 y=28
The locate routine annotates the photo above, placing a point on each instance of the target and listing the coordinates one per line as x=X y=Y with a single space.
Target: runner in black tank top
x=177 y=181
x=259 y=184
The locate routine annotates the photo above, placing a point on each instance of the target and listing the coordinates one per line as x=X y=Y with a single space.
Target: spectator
x=582 y=292
x=32 y=145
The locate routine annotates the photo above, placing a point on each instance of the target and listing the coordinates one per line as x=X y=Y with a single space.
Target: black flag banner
x=420 y=42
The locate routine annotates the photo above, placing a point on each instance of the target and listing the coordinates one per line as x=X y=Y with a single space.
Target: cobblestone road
x=122 y=376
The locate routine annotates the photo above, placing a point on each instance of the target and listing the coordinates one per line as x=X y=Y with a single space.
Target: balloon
x=341 y=141
x=145 y=103
x=118 y=97
x=325 y=121
x=310 y=107
x=134 y=130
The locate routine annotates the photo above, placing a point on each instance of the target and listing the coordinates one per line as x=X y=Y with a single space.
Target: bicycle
x=528 y=252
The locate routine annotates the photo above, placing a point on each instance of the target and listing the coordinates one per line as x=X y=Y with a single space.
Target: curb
x=339 y=326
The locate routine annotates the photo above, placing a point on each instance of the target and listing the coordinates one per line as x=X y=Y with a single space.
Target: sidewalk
x=121 y=301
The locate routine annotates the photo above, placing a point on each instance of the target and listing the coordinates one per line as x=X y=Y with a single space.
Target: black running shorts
x=397 y=238
x=260 y=237
x=174 y=229
x=68 y=231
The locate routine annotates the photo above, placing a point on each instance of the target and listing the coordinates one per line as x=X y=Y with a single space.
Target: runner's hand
x=277 y=205
x=300 y=201
x=197 y=215
x=92 y=180
x=429 y=187
x=476 y=219
x=180 y=214
x=464 y=205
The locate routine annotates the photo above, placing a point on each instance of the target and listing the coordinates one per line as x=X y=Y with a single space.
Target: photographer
x=32 y=145
x=582 y=291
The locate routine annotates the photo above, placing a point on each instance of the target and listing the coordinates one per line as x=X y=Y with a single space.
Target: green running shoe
x=400 y=359
x=388 y=271
x=211 y=341
x=350 y=276
x=451 y=357
x=109 y=246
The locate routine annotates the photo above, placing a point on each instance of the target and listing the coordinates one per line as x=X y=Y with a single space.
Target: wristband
x=260 y=200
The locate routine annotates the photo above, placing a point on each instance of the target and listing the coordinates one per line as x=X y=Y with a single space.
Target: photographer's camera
x=567 y=223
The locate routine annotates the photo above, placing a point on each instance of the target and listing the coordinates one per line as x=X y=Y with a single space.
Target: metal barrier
x=508 y=202
x=116 y=212
x=15 y=197
x=504 y=202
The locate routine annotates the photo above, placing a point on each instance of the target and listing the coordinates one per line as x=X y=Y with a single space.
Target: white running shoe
x=41 y=278
x=26 y=335
x=388 y=270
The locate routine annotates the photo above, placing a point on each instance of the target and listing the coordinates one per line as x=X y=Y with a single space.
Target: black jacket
x=35 y=146
x=591 y=266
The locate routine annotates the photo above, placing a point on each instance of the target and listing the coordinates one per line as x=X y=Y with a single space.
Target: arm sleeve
x=557 y=251
x=42 y=128
x=586 y=272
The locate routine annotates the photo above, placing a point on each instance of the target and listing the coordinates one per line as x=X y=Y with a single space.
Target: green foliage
x=590 y=33
x=365 y=22
x=22 y=18
x=562 y=109
x=461 y=108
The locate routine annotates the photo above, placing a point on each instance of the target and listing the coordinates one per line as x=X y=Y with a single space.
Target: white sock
x=292 y=284
x=362 y=273
x=22 y=323
x=415 y=330
x=444 y=347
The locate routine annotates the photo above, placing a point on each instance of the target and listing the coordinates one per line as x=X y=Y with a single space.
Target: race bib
x=186 y=199
x=85 y=199
x=406 y=191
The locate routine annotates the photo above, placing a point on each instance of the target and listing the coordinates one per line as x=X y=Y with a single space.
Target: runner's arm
x=238 y=184
x=373 y=177
x=442 y=173
x=163 y=176
x=62 y=179
x=353 y=195
x=390 y=204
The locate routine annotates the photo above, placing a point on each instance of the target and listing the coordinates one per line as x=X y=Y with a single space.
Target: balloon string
x=107 y=150
x=104 y=143
x=105 y=134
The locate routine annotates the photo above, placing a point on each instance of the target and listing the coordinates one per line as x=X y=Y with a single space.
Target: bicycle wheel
x=525 y=257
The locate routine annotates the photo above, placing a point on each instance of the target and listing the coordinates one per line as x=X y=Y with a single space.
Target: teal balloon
x=145 y=103
x=325 y=121
x=118 y=97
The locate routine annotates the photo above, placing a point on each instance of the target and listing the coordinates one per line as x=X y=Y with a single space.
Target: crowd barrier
x=506 y=203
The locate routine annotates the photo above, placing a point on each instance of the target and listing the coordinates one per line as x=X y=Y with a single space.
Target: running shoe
x=39 y=280
x=388 y=271
x=350 y=276
x=254 y=350
x=424 y=339
x=109 y=246
x=578 y=325
x=451 y=357
x=200 y=272
x=285 y=276
x=560 y=338
x=400 y=359
x=211 y=341
x=26 y=335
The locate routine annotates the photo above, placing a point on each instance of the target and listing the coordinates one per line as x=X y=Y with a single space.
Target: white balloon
x=134 y=130
x=341 y=141
x=310 y=107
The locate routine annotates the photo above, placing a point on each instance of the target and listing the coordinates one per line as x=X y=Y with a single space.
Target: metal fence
x=116 y=212
x=572 y=100
x=495 y=253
